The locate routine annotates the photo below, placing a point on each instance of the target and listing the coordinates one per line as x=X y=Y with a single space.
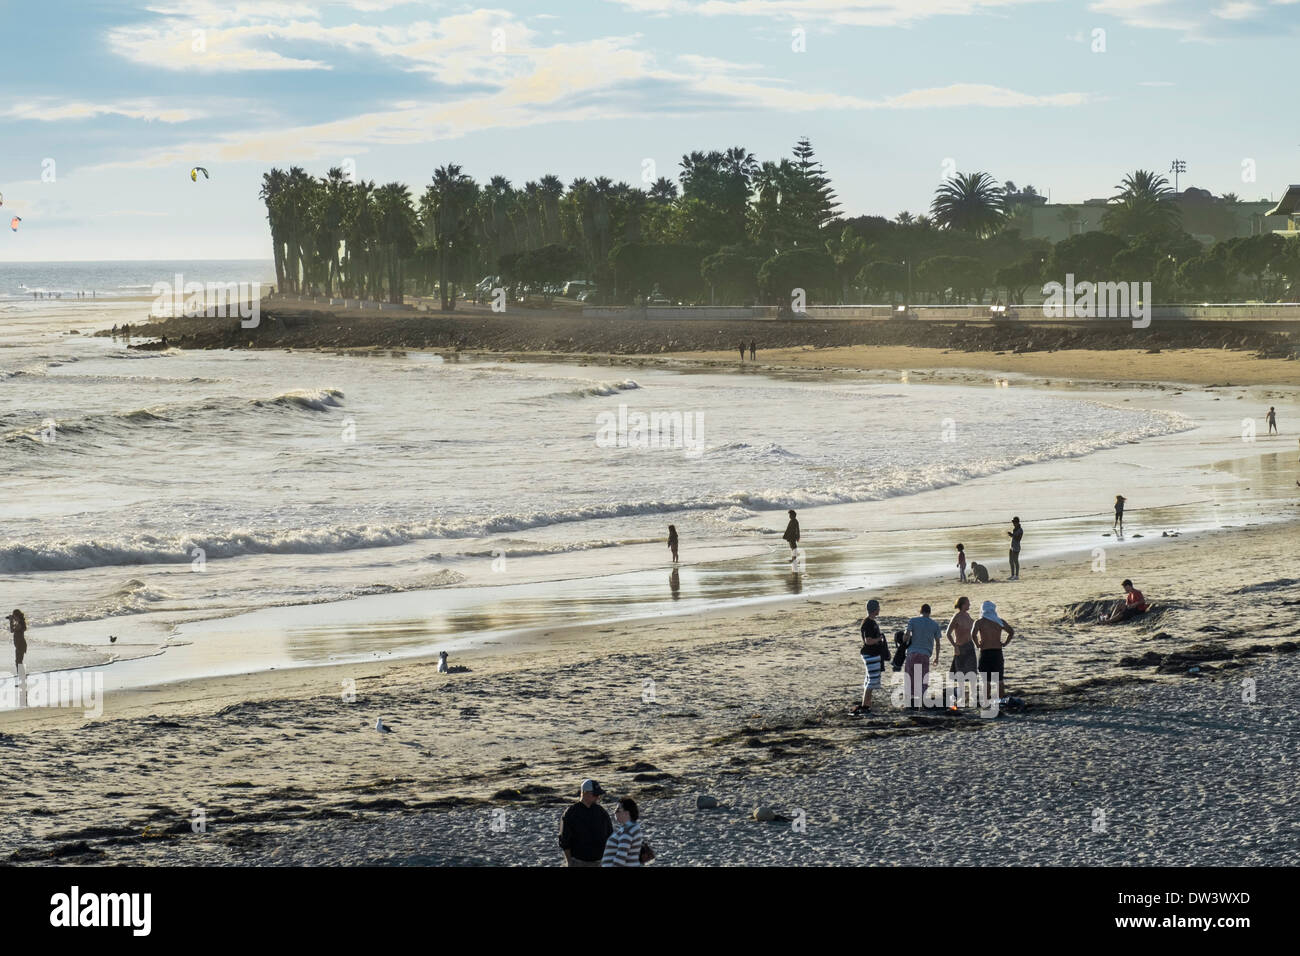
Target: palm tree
x=1144 y=205
x=272 y=194
x=454 y=193
x=397 y=231
x=552 y=190
x=969 y=202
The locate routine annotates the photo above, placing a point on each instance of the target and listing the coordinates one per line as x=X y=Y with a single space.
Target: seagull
x=379 y=726
x=112 y=638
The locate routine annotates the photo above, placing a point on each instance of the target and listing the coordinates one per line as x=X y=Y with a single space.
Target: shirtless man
x=964 y=664
x=988 y=638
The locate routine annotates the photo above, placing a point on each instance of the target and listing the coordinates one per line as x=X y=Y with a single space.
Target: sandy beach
x=1178 y=728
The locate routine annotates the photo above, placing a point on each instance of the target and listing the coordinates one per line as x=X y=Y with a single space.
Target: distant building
x=1210 y=219
x=1288 y=206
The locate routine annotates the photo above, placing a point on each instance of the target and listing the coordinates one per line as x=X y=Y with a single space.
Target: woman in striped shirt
x=623 y=848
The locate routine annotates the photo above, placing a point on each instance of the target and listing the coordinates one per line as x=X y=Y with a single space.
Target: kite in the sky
x=13 y=223
x=194 y=173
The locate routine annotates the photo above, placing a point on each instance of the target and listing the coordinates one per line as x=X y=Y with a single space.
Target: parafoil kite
x=13 y=223
x=194 y=173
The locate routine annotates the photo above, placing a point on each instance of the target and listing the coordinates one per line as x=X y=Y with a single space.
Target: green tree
x=969 y=202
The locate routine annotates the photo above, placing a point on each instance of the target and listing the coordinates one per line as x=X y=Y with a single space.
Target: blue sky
x=124 y=97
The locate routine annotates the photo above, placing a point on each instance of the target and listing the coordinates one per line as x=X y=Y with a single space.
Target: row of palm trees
x=335 y=236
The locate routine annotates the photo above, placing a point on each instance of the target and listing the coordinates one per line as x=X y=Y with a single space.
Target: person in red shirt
x=1133 y=605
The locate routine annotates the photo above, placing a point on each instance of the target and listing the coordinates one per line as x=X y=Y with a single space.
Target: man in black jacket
x=585 y=827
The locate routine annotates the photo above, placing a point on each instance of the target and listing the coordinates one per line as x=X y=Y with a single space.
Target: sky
x=105 y=106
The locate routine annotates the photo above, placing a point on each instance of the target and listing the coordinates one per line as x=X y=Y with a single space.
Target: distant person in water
x=1272 y=420
x=792 y=534
x=961 y=563
x=672 y=541
x=753 y=350
x=1015 y=535
x=987 y=634
x=1119 y=514
x=964 y=663
x=874 y=650
x=1132 y=605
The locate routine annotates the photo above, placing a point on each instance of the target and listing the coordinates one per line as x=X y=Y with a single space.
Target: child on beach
x=672 y=541
x=961 y=563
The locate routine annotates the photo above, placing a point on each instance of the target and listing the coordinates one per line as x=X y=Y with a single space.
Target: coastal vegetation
x=733 y=230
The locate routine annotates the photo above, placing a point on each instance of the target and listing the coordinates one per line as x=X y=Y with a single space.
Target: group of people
x=753 y=350
x=919 y=646
x=589 y=838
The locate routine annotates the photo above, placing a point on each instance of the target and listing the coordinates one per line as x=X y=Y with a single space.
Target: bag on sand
x=647 y=853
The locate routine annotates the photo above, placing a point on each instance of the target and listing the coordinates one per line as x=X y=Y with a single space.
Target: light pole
x=1178 y=166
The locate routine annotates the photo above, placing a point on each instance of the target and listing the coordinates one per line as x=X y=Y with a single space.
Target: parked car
x=574 y=288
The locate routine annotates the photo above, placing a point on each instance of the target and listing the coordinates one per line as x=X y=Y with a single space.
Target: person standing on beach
x=874 y=650
x=1119 y=514
x=1272 y=420
x=753 y=350
x=742 y=350
x=792 y=535
x=964 y=666
x=672 y=541
x=961 y=563
x=585 y=828
x=18 y=627
x=922 y=636
x=1015 y=535
x=623 y=848
x=988 y=638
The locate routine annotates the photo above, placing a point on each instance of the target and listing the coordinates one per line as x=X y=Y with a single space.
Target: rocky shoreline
x=570 y=332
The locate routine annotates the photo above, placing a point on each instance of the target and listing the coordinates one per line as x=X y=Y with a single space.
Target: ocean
x=146 y=492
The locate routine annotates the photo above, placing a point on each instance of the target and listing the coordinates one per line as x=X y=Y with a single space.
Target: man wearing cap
x=988 y=638
x=874 y=651
x=585 y=827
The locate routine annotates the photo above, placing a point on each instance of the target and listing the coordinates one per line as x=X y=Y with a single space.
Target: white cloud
x=51 y=110
x=866 y=13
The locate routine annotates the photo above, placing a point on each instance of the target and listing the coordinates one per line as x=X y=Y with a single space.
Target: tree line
x=732 y=230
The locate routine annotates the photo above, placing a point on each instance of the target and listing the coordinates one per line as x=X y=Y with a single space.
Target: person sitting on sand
x=792 y=534
x=874 y=650
x=923 y=642
x=1132 y=605
x=585 y=828
x=964 y=663
x=1119 y=514
x=623 y=848
x=987 y=634
x=672 y=541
